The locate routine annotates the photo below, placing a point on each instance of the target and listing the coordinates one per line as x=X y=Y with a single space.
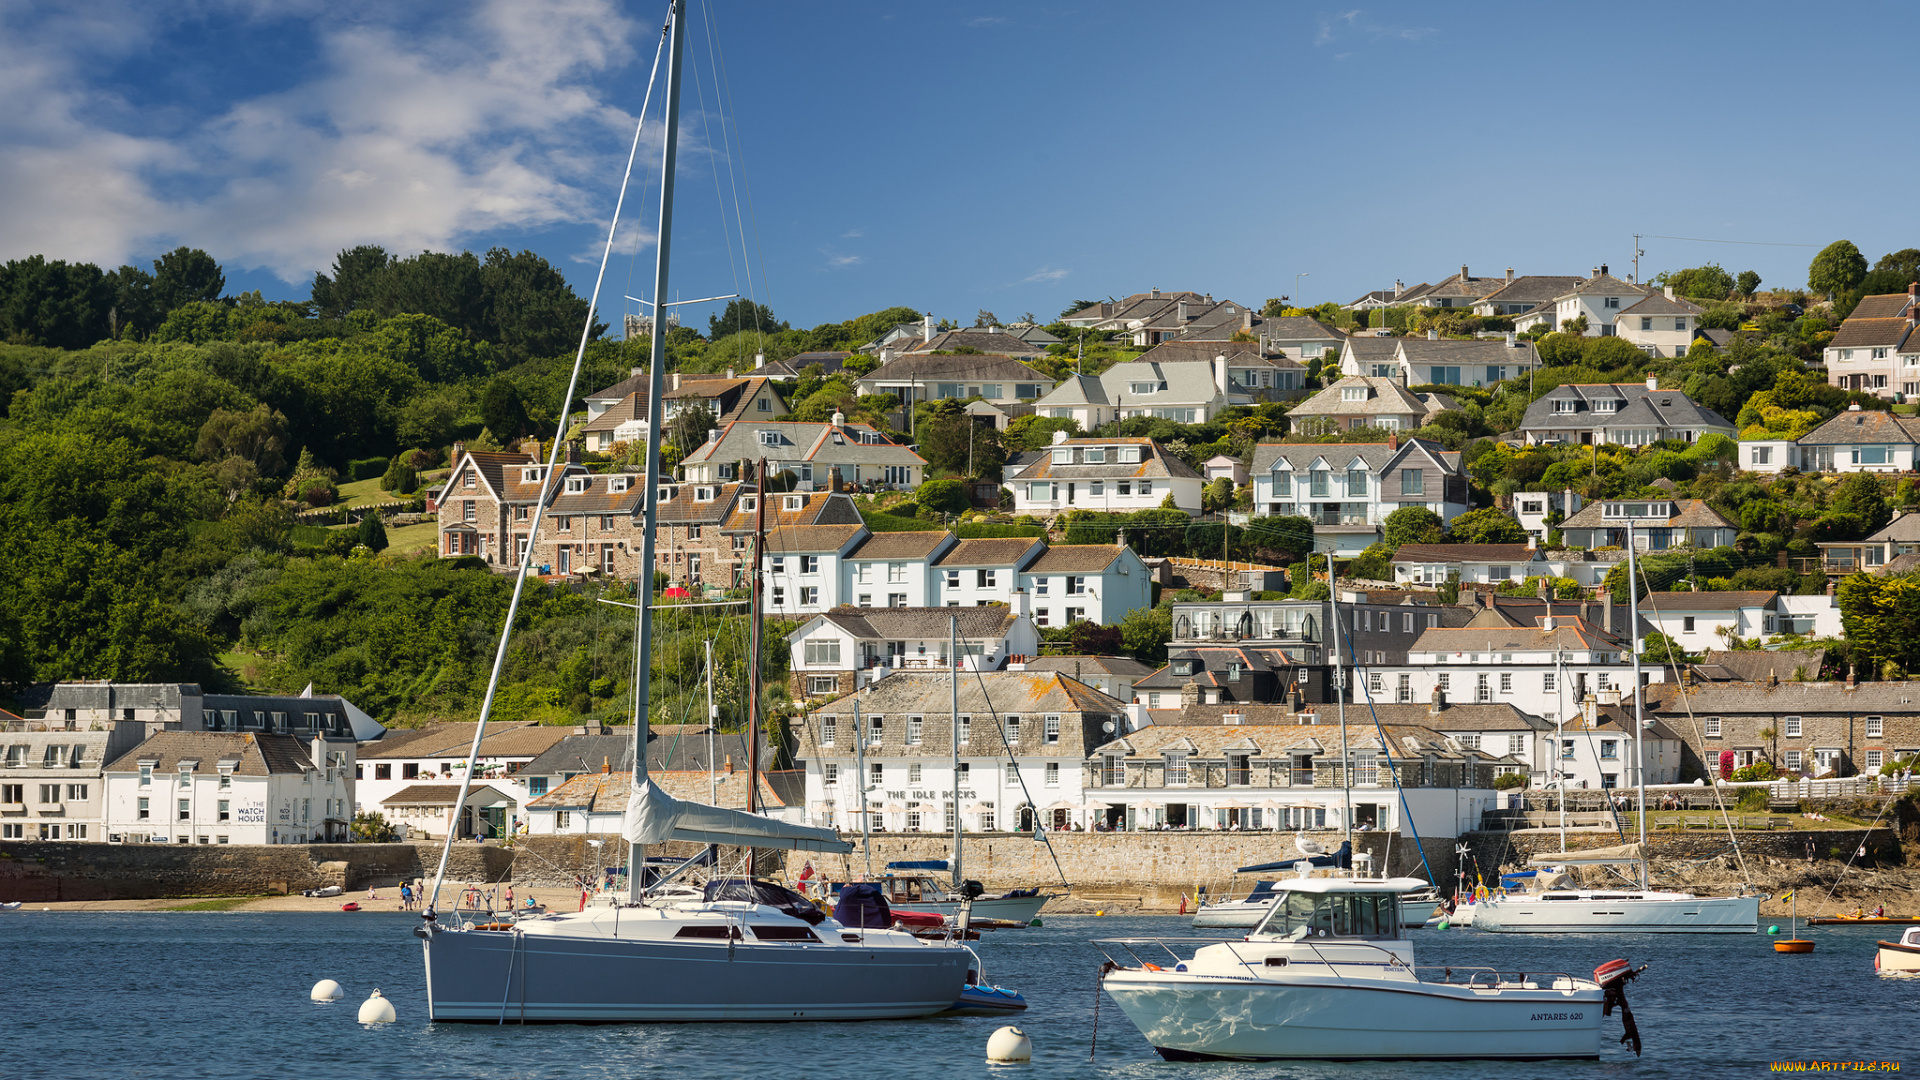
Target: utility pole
x=1636 y=258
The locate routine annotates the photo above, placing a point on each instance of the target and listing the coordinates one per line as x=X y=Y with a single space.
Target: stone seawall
x=1492 y=852
x=51 y=871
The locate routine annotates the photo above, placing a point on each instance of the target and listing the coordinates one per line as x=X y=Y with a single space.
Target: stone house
x=202 y=787
x=1804 y=728
x=835 y=653
x=486 y=506
x=725 y=398
x=1024 y=737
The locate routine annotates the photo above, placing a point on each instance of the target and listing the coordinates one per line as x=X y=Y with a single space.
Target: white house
x=1698 y=621
x=1769 y=455
x=1541 y=512
x=1662 y=324
x=1816 y=616
x=1600 y=298
x=1656 y=524
x=1024 y=738
x=1545 y=668
x=1594 y=748
x=813 y=453
x=1875 y=350
x=197 y=787
x=1099 y=583
x=929 y=377
x=1901 y=536
x=1222 y=467
x=1624 y=414
x=894 y=569
x=1860 y=440
x=974 y=573
x=1348 y=489
x=835 y=653
x=1118 y=475
x=1477 y=564
x=404 y=758
x=1434 y=360
x=805 y=567
x=1186 y=393
x=1363 y=401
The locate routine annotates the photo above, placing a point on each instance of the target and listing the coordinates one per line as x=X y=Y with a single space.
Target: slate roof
x=990 y=551
x=1706 y=601
x=1756 y=665
x=1021 y=692
x=454 y=739
x=1187 y=384
x=1463 y=553
x=1478 y=352
x=1211 y=741
x=606 y=793
x=905 y=546
x=1881 y=306
x=1567 y=634
x=1299 y=328
x=1709 y=698
x=1863 y=426
x=1604 y=284
x=820 y=539
x=1659 y=304
x=1531 y=290
x=599 y=496
x=981 y=340
x=816 y=508
x=1858 y=333
x=790 y=368
x=1634 y=404
x=1124 y=667
x=1375 y=296
x=924 y=368
x=1376 y=455
x=673 y=746
x=1688 y=513
x=990 y=623
x=1077 y=390
x=685 y=509
x=251 y=754
x=1904 y=527
x=1075 y=559
x=826 y=444
x=1239 y=354
x=1156 y=462
x=1385 y=397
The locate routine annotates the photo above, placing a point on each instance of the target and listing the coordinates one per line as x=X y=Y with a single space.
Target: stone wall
x=1152 y=869
x=42 y=871
x=1491 y=852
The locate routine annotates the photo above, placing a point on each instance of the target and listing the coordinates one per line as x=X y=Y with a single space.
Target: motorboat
x=1555 y=906
x=1902 y=955
x=1248 y=910
x=1329 y=974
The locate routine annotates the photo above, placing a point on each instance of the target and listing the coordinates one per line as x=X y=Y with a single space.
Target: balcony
x=1338 y=519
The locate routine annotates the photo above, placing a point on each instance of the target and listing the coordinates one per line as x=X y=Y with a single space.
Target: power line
x=1750 y=243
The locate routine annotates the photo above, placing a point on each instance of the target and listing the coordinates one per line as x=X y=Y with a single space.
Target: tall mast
x=953 y=650
x=1639 y=728
x=656 y=387
x=713 y=718
x=860 y=769
x=756 y=617
x=1339 y=695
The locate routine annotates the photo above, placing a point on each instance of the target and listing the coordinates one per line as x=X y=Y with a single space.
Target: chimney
x=1439 y=702
x=713 y=435
x=1603 y=268
x=839 y=418
x=1463 y=273
x=1547 y=623
x=1596 y=271
x=1183 y=311
x=676 y=380
x=1246 y=318
x=1018 y=602
x=1059 y=437
x=1851 y=683
x=1606 y=613
x=1513 y=340
x=459 y=448
x=1509 y=275
x=1669 y=292
x=531 y=448
x=1154 y=294
x=886 y=355
x=928 y=326
x=1220 y=374
x=762 y=357
x=729 y=765
x=1398 y=288
x=636 y=372
x=1136 y=716
x=1433 y=334
x=1773 y=676
x=606 y=764
x=1393 y=440
x=1653 y=383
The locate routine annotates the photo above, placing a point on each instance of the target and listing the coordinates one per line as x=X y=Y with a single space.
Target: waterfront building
x=203 y=787
x=52 y=785
x=1804 y=728
x=438 y=752
x=838 y=651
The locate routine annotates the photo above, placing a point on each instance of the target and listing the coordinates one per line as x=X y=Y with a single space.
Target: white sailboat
x=1617 y=911
x=749 y=951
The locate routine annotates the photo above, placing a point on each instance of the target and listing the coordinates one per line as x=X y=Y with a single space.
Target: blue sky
x=952 y=157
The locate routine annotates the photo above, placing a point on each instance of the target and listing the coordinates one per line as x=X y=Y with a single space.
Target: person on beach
x=509 y=897
x=406 y=897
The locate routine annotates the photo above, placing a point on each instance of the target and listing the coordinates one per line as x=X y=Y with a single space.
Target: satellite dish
x=1107 y=727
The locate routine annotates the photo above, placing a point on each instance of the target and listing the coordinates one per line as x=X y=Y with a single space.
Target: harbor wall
x=51 y=871
x=1491 y=852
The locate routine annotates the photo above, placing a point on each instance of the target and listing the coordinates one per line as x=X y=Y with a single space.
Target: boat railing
x=1476 y=978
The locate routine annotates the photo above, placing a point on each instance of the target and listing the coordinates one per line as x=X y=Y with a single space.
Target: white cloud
x=840 y=260
x=1046 y=274
x=1357 y=21
x=404 y=136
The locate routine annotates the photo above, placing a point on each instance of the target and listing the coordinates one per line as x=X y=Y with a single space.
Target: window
x=1093 y=456
x=1686 y=624
x=1604 y=681
x=1124 y=487
x=76 y=793
x=1713 y=727
x=1403 y=690
x=809 y=564
x=1353 y=393
x=1411 y=482
x=779 y=596
x=809 y=595
x=913 y=773
x=830 y=774
x=1146 y=487
x=186 y=809
x=1356 y=483
x=186 y=775
x=1444 y=683
x=914 y=724
x=1793 y=760
x=876 y=729
x=1053 y=729
x=1013 y=728
x=1177 y=770
x=1076 y=586
x=1681 y=324
x=896 y=573
x=1053 y=774
x=823 y=652
x=1793 y=727
x=1096 y=487
x=984 y=579
x=769 y=438
x=876 y=774
x=1548 y=682
x=829 y=730
x=1063 y=456
x=1376 y=683
x=1609 y=749
x=143 y=811
x=1481 y=691
x=1612 y=302
x=1506 y=683
x=1874 y=726
x=1646 y=322
x=896 y=599
x=146 y=776
x=1318 y=485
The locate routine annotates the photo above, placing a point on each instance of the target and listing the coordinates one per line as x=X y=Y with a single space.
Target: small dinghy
x=1902 y=955
x=987 y=1001
x=331 y=890
x=11 y=905
x=350 y=906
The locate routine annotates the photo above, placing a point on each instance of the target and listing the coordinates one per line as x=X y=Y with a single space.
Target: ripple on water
x=225 y=995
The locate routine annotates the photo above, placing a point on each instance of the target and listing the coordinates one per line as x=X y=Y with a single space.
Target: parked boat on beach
x=1329 y=974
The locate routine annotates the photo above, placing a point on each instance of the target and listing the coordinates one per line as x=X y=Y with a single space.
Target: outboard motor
x=1613 y=977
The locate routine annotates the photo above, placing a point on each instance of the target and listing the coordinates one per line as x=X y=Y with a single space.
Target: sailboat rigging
x=733 y=954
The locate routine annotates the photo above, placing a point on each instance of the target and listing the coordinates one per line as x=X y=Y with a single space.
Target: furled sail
x=655 y=817
x=1624 y=853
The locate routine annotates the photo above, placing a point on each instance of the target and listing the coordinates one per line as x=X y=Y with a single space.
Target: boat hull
x=1193 y=1018
x=1894 y=956
x=1020 y=909
x=1613 y=914
x=530 y=978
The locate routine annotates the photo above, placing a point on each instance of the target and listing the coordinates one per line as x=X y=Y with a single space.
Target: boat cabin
x=1346 y=915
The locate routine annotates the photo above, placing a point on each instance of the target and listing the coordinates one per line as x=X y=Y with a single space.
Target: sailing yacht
x=742 y=950
x=1619 y=911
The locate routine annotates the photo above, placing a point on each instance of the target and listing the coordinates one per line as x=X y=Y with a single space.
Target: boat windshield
x=1356 y=915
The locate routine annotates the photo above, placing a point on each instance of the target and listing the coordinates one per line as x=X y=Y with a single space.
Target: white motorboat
x=1328 y=974
x=760 y=953
x=924 y=892
x=1555 y=908
x=1248 y=910
x=1902 y=955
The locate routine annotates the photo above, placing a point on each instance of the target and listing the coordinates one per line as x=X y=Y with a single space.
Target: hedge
x=366 y=468
x=987 y=530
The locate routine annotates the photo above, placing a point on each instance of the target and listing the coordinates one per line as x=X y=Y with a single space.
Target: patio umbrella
x=1061 y=805
x=1096 y=804
x=1233 y=804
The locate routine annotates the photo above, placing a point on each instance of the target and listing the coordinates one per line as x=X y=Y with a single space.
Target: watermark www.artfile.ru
x=1834 y=1066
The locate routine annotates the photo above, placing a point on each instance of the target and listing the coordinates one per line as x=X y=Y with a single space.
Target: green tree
x=1860 y=495
x=1414 y=525
x=1373 y=564
x=743 y=314
x=502 y=410
x=1881 y=617
x=62 y=305
x=438 y=352
x=1145 y=632
x=1893 y=273
x=184 y=275
x=371 y=532
x=531 y=311
x=447 y=287
x=1747 y=284
x=1707 y=282
x=1217 y=495
x=1489 y=525
x=258 y=436
x=1035 y=432
x=1837 y=268
x=356 y=272
x=942 y=496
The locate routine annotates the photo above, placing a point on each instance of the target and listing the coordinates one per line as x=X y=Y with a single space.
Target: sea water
x=157 y=994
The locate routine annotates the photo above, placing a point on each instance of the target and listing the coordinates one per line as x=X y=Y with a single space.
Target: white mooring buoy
x=376 y=1010
x=327 y=990
x=1009 y=1046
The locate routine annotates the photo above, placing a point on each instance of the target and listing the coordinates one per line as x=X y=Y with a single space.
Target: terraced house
x=485 y=508
x=1803 y=728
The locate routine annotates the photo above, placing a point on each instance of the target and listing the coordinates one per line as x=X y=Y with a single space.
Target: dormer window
x=1353 y=393
x=703 y=494
x=576 y=484
x=1129 y=455
x=769 y=438
x=1566 y=405
x=1184 y=667
x=1606 y=406
x=1094 y=457
x=1658 y=510
x=870 y=438
x=529 y=476
x=749 y=504
x=1138 y=388
x=618 y=484
x=1063 y=456
x=795 y=502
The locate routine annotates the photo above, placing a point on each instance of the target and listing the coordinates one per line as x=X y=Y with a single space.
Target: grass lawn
x=217 y=903
x=411 y=538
